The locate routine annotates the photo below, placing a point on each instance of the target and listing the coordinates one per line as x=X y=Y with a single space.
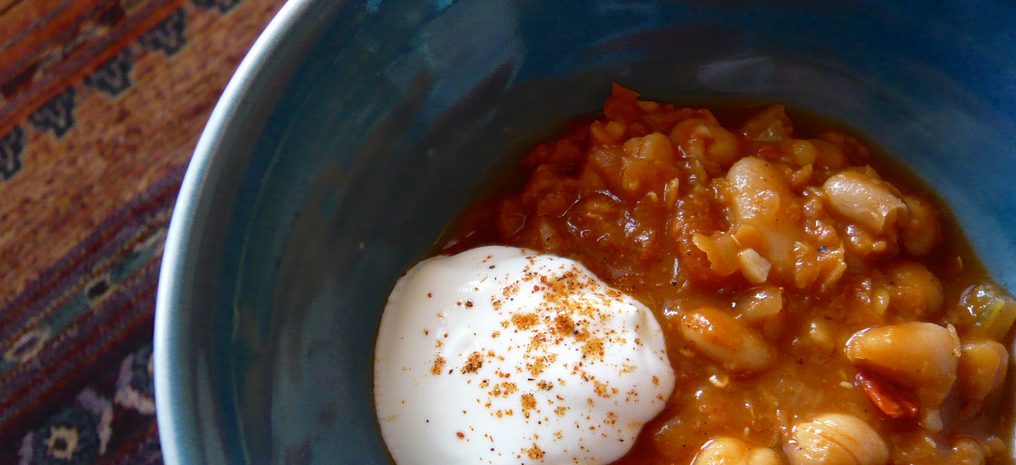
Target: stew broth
x=759 y=283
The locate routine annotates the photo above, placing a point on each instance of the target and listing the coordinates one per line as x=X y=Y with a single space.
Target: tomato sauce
x=766 y=245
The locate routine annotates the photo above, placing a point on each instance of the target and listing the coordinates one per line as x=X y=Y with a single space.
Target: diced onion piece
x=754 y=267
x=993 y=312
x=770 y=125
x=721 y=251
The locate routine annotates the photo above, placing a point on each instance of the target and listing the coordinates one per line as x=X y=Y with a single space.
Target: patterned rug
x=101 y=104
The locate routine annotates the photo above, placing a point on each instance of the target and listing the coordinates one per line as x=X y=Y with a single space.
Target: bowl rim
x=280 y=46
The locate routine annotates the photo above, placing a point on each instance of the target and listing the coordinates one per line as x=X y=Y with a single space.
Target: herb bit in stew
x=818 y=303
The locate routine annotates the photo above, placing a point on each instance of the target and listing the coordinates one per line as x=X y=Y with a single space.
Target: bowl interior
x=391 y=115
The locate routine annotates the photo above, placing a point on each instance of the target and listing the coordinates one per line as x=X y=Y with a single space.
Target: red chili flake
x=768 y=152
x=890 y=400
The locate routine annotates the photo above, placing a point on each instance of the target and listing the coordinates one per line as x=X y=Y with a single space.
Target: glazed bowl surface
x=354 y=132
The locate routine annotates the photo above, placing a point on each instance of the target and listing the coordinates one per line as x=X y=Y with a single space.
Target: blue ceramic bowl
x=354 y=131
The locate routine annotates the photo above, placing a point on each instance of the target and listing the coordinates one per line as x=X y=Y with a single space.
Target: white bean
x=982 y=369
x=836 y=439
x=864 y=200
x=762 y=200
x=720 y=337
x=732 y=451
x=917 y=355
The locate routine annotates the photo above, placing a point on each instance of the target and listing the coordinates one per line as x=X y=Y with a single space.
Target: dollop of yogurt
x=500 y=355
